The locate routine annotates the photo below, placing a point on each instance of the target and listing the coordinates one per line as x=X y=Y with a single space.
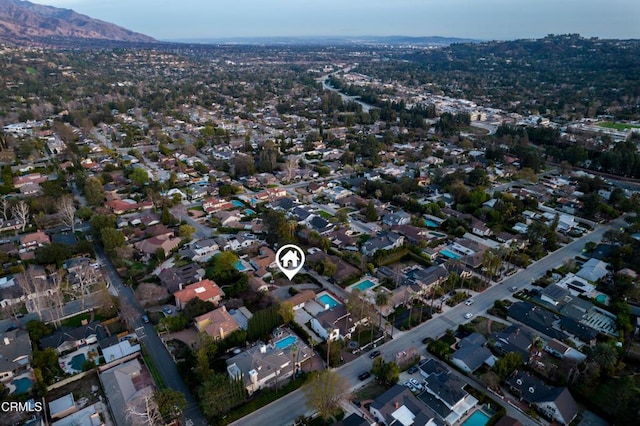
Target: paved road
x=285 y=410
x=154 y=346
x=180 y=212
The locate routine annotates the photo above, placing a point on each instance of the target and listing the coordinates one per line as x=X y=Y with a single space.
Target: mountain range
x=23 y=22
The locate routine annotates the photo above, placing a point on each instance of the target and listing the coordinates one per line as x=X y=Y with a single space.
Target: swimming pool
x=286 y=342
x=430 y=223
x=327 y=300
x=23 y=384
x=240 y=266
x=77 y=361
x=478 y=418
x=364 y=285
x=450 y=254
x=248 y=212
x=602 y=298
x=237 y=203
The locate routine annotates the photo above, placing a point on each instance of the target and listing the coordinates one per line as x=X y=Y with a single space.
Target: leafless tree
x=85 y=276
x=67 y=212
x=20 y=210
x=4 y=208
x=292 y=166
x=56 y=299
x=143 y=411
x=35 y=289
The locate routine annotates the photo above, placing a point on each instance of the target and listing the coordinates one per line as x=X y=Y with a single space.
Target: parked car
x=513 y=288
x=374 y=354
x=364 y=376
x=145 y=319
x=167 y=311
x=468 y=315
x=412 y=370
x=415 y=383
x=426 y=340
x=469 y=302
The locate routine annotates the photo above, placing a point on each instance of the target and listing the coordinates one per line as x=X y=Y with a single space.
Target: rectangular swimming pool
x=240 y=266
x=478 y=418
x=286 y=342
x=237 y=203
x=364 y=285
x=450 y=254
x=327 y=300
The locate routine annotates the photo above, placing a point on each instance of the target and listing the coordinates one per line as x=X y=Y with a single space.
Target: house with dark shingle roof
x=555 y=403
x=68 y=339
x=15 y=354
x=399 y=406
x=471 y=353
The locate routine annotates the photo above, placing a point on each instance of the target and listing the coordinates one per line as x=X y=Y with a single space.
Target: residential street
x=157 y=351
x=285 y=410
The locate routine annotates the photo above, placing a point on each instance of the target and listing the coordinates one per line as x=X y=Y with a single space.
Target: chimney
x=397 y=405
x=7 y=341
x=263 y=349
x=221 y=333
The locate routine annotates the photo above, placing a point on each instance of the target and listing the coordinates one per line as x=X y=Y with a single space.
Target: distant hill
x=23 y=22
x=337 y=40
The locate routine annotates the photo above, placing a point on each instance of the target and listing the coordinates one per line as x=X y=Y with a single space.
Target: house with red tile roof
x=205 y=290
x=217 y=323
x=151 y=245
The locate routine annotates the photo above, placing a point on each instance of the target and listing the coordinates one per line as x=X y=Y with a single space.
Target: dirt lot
x=149 y=294
x=81 y=388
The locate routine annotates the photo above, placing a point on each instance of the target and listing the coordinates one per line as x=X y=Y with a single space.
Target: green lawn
x=618 y=126
x=371 y=391
x=152 y=369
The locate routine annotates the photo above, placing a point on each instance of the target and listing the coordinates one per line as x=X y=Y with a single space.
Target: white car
x=469 y=302
x=468 y=315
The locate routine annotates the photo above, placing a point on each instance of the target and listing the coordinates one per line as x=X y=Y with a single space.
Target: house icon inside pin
x=290 y=260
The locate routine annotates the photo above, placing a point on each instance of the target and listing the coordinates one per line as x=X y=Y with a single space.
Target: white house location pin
x=290 y=259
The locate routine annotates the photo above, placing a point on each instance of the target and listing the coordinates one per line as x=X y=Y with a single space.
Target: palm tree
x=606 y=356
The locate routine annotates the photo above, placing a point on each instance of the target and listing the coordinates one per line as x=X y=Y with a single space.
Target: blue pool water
x=430 y=223
x=23 y=384
x=601 y=298
x=286 y=342
x=249 y=212
x=239 y=266
x=237 y=203
x=364 y=285
x=450 y=254
x=77 y=361
x=325 y=299
x=478 y=418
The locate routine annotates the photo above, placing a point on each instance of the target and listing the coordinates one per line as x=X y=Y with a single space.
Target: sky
x=478 y=19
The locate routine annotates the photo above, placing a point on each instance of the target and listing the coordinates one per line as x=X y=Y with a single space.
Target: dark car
x=145 y=319
x=12 y=327
x=374 y=354
x=364 y=376
x=412 y=370
x=426 y=340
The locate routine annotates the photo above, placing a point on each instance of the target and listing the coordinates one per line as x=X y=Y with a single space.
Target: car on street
x=412 y=370
x=374 y=354
x=513 y=288
x=364 y=376
x=426 y=340
x=469 y=302
x=145 y=319
x=468 y=315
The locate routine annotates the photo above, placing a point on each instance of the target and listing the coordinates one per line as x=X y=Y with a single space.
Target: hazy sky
x=481 y=19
